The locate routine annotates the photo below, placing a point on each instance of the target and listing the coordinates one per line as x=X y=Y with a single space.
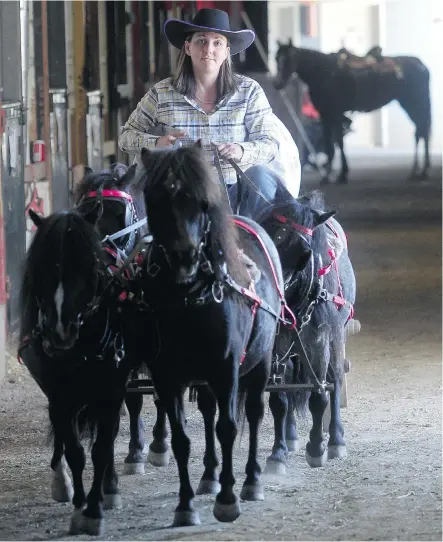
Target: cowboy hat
x=208 y=20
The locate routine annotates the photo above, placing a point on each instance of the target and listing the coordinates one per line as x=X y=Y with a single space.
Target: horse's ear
x=37 y=219
x=290 y=43
x=128 y=176
x=321 y=218
x=279 y=43
x=87 y=170
x=145 y=154
x=93 y=214
x=198 y=144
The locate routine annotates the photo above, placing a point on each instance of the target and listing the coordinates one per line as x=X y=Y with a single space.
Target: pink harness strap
x=110 y=194
x=252 y=295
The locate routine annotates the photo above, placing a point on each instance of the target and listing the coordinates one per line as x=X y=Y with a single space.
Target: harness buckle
x=217 y=292
x=206 y=267
x=153 y=270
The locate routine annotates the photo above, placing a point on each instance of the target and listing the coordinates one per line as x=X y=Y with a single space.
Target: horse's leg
x=427 y=163
x=65 y=429
x=61 y=485
x=343 y=177
x=292 y=441
x=227 y=506
x=316 y=453
x=414 y=170
x=276 y=462
x=209 y=484
x=252 y=489
x=158 y=454
x=102 y=455
x=112 y=497
x=134 y=461
x=336 y=444
x=185 y=514
x=329 y=149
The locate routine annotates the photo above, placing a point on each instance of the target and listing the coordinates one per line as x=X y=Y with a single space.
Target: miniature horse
x=121 y=208
x=71 y=345
x=216 y=321
x=321 y=296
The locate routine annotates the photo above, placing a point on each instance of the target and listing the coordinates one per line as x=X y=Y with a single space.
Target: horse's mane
x=189 y=165
x=85 y=244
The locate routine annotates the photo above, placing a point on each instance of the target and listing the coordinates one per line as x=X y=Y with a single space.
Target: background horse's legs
x=108 y=415
x=343 y=177
x=227 y=506
x=427 y=164
x=65 y=429
x=61 y=485
x=276 y=462
x=257 y=379
x=134 y=461
x=329 y=149
x=158 y=454
x=209 y=484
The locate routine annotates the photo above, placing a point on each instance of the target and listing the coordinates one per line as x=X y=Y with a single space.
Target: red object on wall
x=38 y=151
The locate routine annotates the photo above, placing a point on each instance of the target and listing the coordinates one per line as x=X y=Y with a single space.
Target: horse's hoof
x=275 y=467
x=227 y=512
x=185 y=518
x=342 y=180
x=208 y=487
x=75 y=526
x=293 y=445
x=61 y=489
x=352 y=327
x=158 y=459
x=133 y=468
x=325 y=181
x=337 y=451
x=319 y=461
x=112 y=500
x=252 y=493
x=93 y=526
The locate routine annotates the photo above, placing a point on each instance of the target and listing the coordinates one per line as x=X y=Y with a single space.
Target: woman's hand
x=168 y=140
x=230 y=151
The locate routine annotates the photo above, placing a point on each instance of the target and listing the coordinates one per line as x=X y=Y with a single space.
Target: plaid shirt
x=243 y=117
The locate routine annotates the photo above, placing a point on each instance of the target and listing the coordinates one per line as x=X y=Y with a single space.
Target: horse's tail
x=300 y=397
x=240 y=416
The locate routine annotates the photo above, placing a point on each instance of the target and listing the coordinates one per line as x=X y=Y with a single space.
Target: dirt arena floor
x=389 y=486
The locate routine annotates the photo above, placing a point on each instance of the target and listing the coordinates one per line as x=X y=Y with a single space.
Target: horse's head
x=179 y=192
x=108 y=191
x=286 y=59
x=63 y=276
x=291 y=226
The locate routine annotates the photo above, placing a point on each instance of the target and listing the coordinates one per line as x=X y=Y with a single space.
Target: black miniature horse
x=121 y=206
x=216 y=321
x=335 y=90
x=321 y=294
x=71 y=345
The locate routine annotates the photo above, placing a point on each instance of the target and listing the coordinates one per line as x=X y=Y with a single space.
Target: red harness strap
x=252 y=294
x=110 y=194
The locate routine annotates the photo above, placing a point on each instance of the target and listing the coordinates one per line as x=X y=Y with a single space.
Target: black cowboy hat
x=208 y=20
